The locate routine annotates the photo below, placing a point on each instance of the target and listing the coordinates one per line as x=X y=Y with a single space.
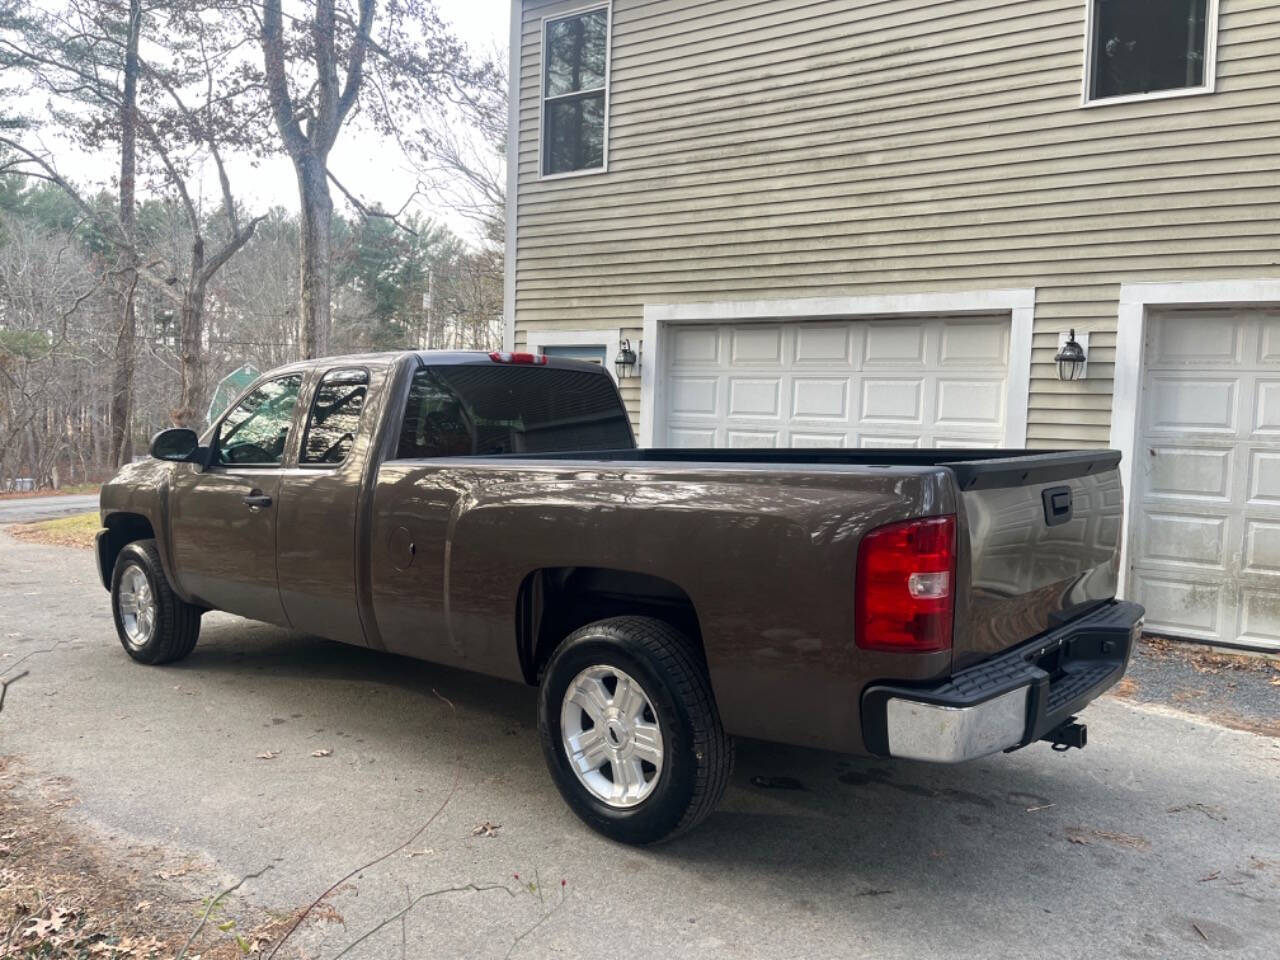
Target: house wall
x=803 y=148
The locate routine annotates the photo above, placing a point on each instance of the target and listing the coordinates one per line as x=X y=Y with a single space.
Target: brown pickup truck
x=492 y=512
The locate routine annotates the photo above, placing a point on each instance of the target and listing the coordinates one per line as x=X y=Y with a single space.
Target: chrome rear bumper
x=1013 y=699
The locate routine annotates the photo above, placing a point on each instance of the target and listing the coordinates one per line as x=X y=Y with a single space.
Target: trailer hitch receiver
x=1067 y=735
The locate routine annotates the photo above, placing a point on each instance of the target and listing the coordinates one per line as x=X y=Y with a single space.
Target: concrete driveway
x=26 y=509
x=1160 y=840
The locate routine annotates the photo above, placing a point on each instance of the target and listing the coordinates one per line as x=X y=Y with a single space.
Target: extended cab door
x=318 y=520
x=222 y=520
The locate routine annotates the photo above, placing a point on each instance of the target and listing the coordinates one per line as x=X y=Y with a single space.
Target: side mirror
x=178 y=445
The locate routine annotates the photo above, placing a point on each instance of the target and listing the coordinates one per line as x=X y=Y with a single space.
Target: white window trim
x=542 y=91
x=1019 y=304
x=1210 y=64
x=607 y=338
x=1136 y=299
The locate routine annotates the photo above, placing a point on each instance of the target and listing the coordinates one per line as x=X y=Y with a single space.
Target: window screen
x=575 y=53
x=481 y=409
x=335 y=416
x=1145 y=46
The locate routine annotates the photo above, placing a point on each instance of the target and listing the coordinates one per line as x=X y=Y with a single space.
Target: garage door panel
x=691 y=437
x=755 y=397
x=1184 y=540
x=823 y=398
x=753 y=438
x=1198 y=339
x=1264 y=478
x=900 y=401
x=1187 y=405
x=826 y=345
x=1269 y=339
x=1260 y=618
x=694 y=345
x=887 y=440
x=693 y=396
x=974 y=344
x=978 y=403
x=1189 y=472
x=1262 y=548
x=807 y=438
x=756 y=346
x=1182 y=607
x=894 y=344
x=1266 y=408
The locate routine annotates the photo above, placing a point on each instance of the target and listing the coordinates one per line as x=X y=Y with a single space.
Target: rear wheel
x=154 y=624
x=630 y=730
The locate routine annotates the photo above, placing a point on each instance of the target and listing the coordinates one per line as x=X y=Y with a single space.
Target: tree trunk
x=127 y=334
x=315 y=280
x=191 y=409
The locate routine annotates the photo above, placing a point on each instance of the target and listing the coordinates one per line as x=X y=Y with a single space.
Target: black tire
x=697 y=754
x=177 y=623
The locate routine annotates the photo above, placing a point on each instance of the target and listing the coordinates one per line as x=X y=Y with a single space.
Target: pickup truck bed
x=491 y=512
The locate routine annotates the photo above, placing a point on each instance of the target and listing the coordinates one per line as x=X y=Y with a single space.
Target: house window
x=575 y=73
x=1143 y=47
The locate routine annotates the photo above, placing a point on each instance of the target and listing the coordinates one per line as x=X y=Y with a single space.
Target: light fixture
x=626 y=362
x=1071 y=358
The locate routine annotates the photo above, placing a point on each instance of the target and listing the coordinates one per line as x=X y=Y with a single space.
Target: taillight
x=905 y=592
x=536 y=359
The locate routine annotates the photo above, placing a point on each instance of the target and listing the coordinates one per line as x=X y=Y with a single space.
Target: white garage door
x=1206 y=547
x=922 y=382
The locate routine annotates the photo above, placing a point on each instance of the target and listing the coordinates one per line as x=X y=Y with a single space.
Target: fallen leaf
x=326 y=752
x=486 y=829
x=1212 y=876
x=1085 y=836
x=269 y=755
x=419 y=853
x=142 y=905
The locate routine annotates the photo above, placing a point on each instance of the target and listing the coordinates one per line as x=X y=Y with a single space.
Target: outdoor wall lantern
x=627 y=363
x=1071 y=358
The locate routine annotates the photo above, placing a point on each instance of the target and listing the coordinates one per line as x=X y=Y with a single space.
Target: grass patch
x=77 y=530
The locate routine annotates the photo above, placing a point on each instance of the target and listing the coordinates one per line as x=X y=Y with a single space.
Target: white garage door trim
x=1131 y=333
x=1020 y=305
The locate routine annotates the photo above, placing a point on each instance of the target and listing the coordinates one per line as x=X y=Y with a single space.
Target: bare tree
x=316 y=72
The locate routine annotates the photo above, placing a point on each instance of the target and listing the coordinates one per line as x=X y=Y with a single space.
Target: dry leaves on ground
x=268 y=754
x=326 y=752
x=486 y=829
x=1087 y=835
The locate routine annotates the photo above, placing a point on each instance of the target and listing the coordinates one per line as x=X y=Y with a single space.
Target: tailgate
x=1044 y=545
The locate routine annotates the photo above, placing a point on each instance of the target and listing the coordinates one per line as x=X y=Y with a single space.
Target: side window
x=256 y=431
x=335 y=416
x=435 y=424
x=1139 y=47
x=575 y=59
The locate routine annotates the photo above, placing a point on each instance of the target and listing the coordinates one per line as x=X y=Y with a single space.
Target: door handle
x=257 y=500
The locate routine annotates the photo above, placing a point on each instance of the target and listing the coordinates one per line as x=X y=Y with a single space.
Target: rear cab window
x=335 y=417
x=491 y=409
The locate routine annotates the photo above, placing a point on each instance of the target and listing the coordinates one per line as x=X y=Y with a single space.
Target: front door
x=223 y=519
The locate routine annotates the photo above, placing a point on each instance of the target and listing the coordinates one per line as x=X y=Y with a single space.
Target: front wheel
x=630 y=731
x=154 y=624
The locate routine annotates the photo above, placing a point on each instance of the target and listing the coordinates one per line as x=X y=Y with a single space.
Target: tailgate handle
x=1057 y=505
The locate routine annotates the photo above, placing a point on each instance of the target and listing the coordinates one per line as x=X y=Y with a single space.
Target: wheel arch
x=120 y=530
x=554 y=601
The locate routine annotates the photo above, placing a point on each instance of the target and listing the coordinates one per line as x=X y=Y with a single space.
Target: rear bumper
x=1013 y=699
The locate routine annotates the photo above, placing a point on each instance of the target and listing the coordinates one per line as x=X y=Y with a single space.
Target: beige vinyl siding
x=800 y=148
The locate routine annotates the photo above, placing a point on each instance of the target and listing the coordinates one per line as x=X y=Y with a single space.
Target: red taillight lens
x=536 y=359
x=906 y=584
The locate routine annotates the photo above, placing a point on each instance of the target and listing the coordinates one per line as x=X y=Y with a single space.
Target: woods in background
x=122 y=308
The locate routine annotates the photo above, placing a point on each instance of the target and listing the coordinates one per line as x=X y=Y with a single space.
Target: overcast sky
x=365 y=164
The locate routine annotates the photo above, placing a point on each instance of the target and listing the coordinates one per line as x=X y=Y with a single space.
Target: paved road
x=24 y=509
x=1161 y=840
